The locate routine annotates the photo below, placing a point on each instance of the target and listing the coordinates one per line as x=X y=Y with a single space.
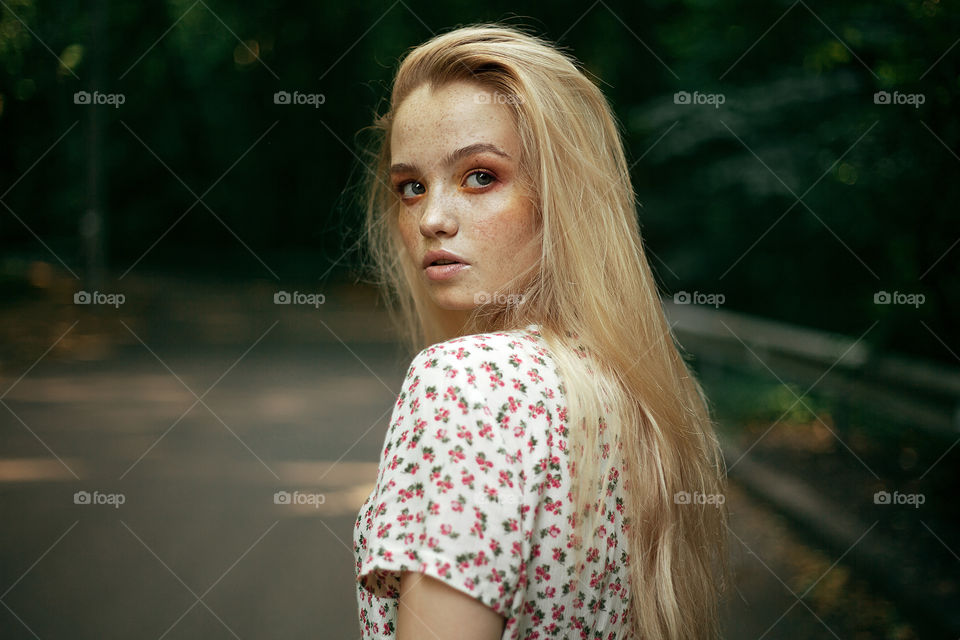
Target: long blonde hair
x=632 y=400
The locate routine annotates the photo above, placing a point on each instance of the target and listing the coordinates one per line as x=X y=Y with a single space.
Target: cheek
x=408 y=233
x=509 y=228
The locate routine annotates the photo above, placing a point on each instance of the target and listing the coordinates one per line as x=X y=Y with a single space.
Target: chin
x=453 y=301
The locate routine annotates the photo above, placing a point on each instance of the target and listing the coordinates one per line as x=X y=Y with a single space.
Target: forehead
x=431 y=122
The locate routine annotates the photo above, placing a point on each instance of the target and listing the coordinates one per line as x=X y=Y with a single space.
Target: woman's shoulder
x=499 y=348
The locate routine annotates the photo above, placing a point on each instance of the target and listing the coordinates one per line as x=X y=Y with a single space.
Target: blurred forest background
x=798 y=198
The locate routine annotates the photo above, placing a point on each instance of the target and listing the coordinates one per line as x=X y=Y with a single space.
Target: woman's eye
x=412 y=189
x=480 y=178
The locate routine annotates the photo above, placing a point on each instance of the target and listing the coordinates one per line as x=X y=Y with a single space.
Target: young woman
x=550 y=468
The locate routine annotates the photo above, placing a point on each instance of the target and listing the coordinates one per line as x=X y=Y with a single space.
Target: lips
x=441 y=257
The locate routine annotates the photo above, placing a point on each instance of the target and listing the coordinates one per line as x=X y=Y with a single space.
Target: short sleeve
x=448 y=500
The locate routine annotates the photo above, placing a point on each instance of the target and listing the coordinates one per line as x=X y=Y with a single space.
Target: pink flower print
x=483 y=463
x=444 y=569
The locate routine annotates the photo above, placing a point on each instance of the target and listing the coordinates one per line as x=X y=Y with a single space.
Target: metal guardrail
x=915 y=392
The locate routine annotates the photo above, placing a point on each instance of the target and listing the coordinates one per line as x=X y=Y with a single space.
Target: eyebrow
x=459 y=154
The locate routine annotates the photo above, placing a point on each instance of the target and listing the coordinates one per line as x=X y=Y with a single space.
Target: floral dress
x=473 y=489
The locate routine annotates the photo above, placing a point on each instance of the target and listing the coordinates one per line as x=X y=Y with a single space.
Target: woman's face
x=455 y=167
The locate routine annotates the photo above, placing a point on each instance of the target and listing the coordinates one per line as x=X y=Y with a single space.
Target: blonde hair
x=632 y=400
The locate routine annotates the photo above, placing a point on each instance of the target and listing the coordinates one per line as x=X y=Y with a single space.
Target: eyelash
x=399 y=187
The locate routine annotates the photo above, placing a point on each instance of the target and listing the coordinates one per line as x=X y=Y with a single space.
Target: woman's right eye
x=411 y=189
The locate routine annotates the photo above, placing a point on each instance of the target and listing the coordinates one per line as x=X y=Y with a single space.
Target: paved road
x=199 y=549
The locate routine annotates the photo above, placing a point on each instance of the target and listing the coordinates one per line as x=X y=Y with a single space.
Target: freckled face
x=468 y=203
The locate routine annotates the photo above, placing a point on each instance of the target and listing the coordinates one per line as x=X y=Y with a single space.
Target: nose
x=438 y=218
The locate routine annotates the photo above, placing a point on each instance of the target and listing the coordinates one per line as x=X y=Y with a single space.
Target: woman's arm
x=432 y=610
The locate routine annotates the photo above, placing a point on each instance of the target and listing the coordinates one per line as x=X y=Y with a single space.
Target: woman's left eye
x=480 y=179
